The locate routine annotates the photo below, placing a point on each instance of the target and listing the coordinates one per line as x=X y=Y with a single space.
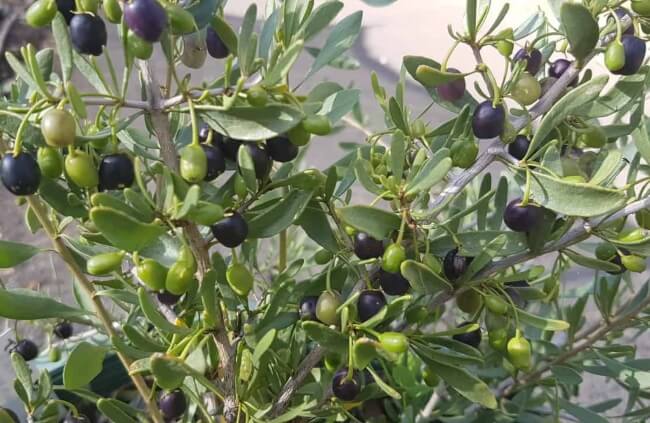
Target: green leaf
x=609 y=168
x=541 y=322
x=581 y=29
x=566 y=375
x=560 y=196
x=123 y=231
x=362 y=171
x=203 y=10
x=472 y=243
x=433 y=171
x=564 y=107
x=83 y=365
x=23 y=373
x=341 y=38
x=114 y=413
x=423 y=279
x=225 y=32
x=63 y=45
x=590 y=262
x=582 y=414
x=490 y=251
x=466 y=384
x=328 y=338
x=388 y=390
x=21 y=71
x=626 y=90
x=246 y=168
x=252 y=123
x=642 y=141
x=57 y=197
x=168 y=371
x=155 y=317
x=398 y=154
x=24 y=304
x=141 y=341
x=281 y=68
x=339 y=104
x=375 y=222
x=320 y=18
x=247 y=40
x=14 y=253
x=263 y=346
x=280 y=216
x=432 y=77
x=316 y=225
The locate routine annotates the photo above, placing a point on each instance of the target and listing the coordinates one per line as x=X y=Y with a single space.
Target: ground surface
x=407 y=27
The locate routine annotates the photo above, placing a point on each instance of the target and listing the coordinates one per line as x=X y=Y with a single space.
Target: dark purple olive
x=204 y=132
x=488 y=121
x=116 y=172
x=216 y=47
x=146 y=18
x=66 y=7
x=88 y=34
x=26 y=349
x=63 y=330
x=308 y=308
x=473 y=338
x=216 y=161
x=281 y=149
x=454 y=265
x=369 y=304
x=168 y=298
x=454 y=90
x=622 y=13
x=261 y=160
x=228 y=146
x=343 y=388
x=231 y=231
x=519 y=147
x=533 y=60
x=522 y=218
x=392 y=283
x=21 y=174
x=557 y=69
x=367 y=247
x=635 y=49
x=173 y=404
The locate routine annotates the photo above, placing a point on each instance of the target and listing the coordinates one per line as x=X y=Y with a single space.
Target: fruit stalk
x=107 y=321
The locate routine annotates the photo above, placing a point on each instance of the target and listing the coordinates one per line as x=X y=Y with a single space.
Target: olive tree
x=230 y=281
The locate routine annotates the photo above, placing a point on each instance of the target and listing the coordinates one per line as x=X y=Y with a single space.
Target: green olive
x=317 y=125
x=323 y=256
x=519 y=352
x=152 y=274
x=58 y=128
x=469 y=301
x=463 y=153
x=81 y=170
x=112 y=10
x=634 y=263
x=193 y=163
x=50 y=161
x=138 y=47
x=89 y=6
x=394 y=342
x=496 y=304
x=180 y=20
x=593 y=137
x=429 y=377
x=179 y=277
x=41 y=13
x=615 y=56
x=393 y=257
x=240 y=279
x=498 y=339
x=631 y=235
x=239 y=186
x=326 y=306
x=605 y=251
x=526 y=90
x=102 y=264
x=257 y=96
x=299 y=136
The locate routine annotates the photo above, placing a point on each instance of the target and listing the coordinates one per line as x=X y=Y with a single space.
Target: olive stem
x=23 y=124
x=195 y=123
x=443 y=66
x=619 y=29
x=107 y=321
x=402 y=226
x=526 y=199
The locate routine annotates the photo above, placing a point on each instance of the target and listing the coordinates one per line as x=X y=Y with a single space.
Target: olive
x=634 y=263
x=26 y=349
x=216 y=47
x=463 y=153
x=635 y=49
x=557 y=69
x=469 y=301
x=393 y=257
x=496 y=304
x=281 y=149
x=317 y=125
x=454 y=265
x=180 y=20
x=521 y=218
x=505 y=44
x=147 y=18
x=194 y=50
x=193 y=163
x=216 y=161
x=488 y=121
x=346 y=389
x=392 y=283
x=112 y=10
x=594 y=136
x=370 y=302
x=394 y=342
x=512 y=289
x=204 y=132
x=228 y=146
x=367 y=247
x=615 y=56
x=261 y=160
x=323 y=256
x=605 y=251
x=140 y=48
x=498 y=339
x=167 y=298
x=533 y=60
x=88 y=34
x=240 y=279
x=519 y=147
x=452 y=91
x=308 y=308
x=519 y=352
x=617 y=261
x=41 y=13
x=58 y=128
x=81 y=170
x=152 y=274
x=63 y=330
x=66 y=7
x=298 y=136
x=257 y=96
x=326 y=306
x=473 y=338
x=116 y=171
x=526 y=90
x=20 y=174
x=179 y=277
x=50 y=161
x=173 y=404
x=231 y=231
x=105 y=263
x=622 y=13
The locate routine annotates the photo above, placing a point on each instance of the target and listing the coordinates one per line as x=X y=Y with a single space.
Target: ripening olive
x=533 y=60
x=392 y=283
x=193 y=163
x=635 y=50
x=81 y=170
x=519 y=352
x=526 y=90
x=173 y=404
x=454 y=90
x=463 y=153
x=307 y=309
x=521 y=218
x=454 y=265
x=519 y=147
x=496 y=304
x=58 y=128
x=147 y=18
x=231 y=231
x=326 y=307
x=594 y=136
x=469 y=301
x=216 y=47
x=298 y=136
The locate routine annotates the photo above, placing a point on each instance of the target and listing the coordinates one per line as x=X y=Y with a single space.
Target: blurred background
x=405 y=27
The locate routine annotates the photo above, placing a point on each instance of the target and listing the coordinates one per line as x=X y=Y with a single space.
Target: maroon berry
x=454 y=90
x=146 y=18
x=173 y=404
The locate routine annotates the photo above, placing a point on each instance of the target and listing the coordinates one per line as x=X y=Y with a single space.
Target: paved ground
x=407 y=27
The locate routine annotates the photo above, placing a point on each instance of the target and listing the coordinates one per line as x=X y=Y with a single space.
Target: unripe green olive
x=394 y=342
x=58 y=128
x=605 y=251
x=102 y=264
x=298 y=136
x=498 y=339
x=138 y=47
x=429 y=377
x=180 y=20
x=393 y=257
x=326 y=307
x=240 y=279
x=41 y=13
x=469 y=301
x=593 y=137
x=239 y=186
x=323 y=256
x=505 y=44
x=112 y=10
x=89 y=6
x=193 y=163
x=634 y=263
x=463 y=153
x=81 y=170
x=317 y=125
x=615 y=56
x=633 y=235
x=50 y=161
x=179 y=277
x=519 y=352
x=526 y=90
x=496 y=304
x=152 y=274
x=257 y=96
